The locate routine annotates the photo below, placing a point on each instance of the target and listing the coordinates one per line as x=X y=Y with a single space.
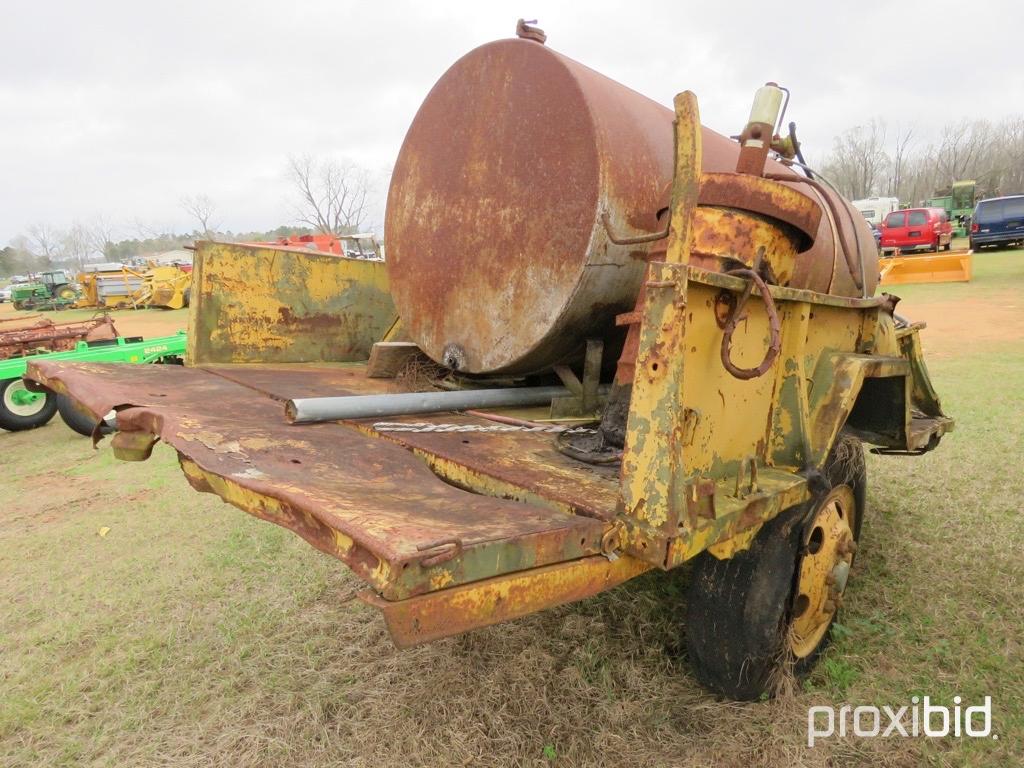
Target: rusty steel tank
x=498 y=258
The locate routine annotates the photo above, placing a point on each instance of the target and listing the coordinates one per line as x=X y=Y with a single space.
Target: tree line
x=50 y=248
x=877 y=160
x=331 y=197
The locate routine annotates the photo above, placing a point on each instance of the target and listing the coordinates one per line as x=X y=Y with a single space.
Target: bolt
x=830 y=579
x=840 y=574
x=829 y=606
x=851 y=546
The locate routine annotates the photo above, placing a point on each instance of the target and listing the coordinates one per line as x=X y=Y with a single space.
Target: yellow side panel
x=256 y=304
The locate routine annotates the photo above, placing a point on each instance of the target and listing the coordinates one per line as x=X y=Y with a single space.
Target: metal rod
x=314 y=409
x=649 y=238
x=504 y=419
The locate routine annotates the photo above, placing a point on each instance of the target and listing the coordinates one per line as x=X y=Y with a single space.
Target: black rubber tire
x=14 y=422
x=738 y=609
x=77 y=419
x=187 y=296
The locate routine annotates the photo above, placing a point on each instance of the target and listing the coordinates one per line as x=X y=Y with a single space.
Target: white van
x=875 y=209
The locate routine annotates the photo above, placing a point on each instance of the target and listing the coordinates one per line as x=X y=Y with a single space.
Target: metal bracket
x=449 y=549
x=743 y=488
x=584 y=399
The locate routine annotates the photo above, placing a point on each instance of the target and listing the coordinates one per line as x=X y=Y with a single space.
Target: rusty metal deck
x=392 y=509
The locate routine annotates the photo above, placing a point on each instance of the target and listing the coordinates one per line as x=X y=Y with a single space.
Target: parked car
x=876 y=232
x=998 y=221
x=5 y=295
x=917 y=228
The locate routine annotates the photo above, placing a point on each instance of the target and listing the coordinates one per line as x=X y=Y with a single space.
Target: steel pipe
x=309 y=410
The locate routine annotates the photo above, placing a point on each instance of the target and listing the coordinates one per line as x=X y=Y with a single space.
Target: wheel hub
x=21 y=402
x=824 y=570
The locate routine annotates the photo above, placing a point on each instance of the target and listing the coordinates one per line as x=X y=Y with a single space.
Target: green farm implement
x=23 y=408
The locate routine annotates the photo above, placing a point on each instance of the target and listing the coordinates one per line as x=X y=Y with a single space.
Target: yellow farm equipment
x=640 y=344
x=165 y=285
x=110 y=286
x=116 y=286
x=940 y=267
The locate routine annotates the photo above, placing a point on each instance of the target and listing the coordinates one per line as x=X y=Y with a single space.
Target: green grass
x=192 y=634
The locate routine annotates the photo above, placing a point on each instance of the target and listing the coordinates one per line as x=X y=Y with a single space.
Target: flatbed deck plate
x=374 y=503
x=293 y=380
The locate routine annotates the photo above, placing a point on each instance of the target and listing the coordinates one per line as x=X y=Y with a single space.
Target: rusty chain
x=775 y=344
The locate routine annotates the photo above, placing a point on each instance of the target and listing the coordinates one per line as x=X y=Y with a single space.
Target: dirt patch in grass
x=986 y=312
x=56 y=496
x=955 y=325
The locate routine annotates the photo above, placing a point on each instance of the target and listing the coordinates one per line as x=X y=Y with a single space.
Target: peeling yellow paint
x=275 y=305
x=441 y=579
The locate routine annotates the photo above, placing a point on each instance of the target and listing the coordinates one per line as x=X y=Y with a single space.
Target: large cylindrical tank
x=498 y=259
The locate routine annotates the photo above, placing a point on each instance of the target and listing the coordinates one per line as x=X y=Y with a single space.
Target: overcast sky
x=120 y=109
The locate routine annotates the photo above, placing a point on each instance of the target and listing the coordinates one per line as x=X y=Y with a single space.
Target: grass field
x=142 y=623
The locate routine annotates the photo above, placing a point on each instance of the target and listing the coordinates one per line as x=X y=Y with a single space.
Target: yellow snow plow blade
x=951 y=267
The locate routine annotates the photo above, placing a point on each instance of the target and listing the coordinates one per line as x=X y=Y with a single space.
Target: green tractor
x=958 y=204
x=53 y=290
x=964 y=196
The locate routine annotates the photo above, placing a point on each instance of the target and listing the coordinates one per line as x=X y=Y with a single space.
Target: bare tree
x=962 y=145
x=1011 y=138
x=145 y=230
x=899 y=159
x=858 y=160
x=79 y=244
x=202 y=209
x=46 y=243
x=992 y=154
x=102 y=233
x=333 y=194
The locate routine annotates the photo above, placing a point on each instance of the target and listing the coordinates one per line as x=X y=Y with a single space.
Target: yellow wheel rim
x=824 y=570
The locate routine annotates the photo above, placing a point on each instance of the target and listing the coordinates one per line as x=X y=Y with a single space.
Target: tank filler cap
x=527 y=32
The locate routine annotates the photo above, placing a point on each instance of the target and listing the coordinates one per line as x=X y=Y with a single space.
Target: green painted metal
x=120 y=350
x=963 y=199
x=958 y=205
x=24 y=397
